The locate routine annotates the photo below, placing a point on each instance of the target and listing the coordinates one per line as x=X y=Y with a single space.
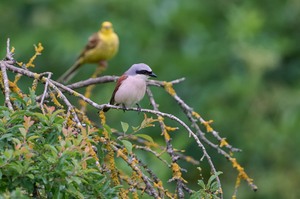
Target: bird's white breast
x=131 y=90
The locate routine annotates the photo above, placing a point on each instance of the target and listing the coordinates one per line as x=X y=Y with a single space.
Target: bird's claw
x=139 y=108
x=124 y=108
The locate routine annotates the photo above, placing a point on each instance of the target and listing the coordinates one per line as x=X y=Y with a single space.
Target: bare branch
x=45 y=92
x=108 y=79
x=4 y=76
x=9 y=53
x=6 y=85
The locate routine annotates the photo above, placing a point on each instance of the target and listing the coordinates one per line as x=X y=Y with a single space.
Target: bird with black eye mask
x=131 y=86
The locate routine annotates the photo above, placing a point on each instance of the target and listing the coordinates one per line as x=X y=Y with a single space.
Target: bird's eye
x=143 y=72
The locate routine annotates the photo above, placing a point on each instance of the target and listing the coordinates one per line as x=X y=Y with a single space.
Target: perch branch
x=107 y=79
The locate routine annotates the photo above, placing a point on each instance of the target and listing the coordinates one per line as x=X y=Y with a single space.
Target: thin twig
x=170 y=149
x=91 y=81
x=143 y=141
x=107 y=79
x=4 y=75
x=9 y=53
x=134 y=166
x=6 y=85
x=45 y=91
x=148 y=149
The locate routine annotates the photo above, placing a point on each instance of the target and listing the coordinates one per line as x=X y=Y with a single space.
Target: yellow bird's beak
x=106 y=26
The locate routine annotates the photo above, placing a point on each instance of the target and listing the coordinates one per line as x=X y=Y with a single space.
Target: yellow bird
x=101 y=47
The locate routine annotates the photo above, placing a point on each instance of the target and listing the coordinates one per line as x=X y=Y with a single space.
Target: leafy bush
x=38 y=157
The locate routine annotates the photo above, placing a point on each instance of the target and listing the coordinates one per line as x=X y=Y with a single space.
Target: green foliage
x=147 y=122
x=209 y=190
x=15 y=194
x=38 y=157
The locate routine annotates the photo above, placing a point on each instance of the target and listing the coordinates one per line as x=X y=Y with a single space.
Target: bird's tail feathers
x=69 y=74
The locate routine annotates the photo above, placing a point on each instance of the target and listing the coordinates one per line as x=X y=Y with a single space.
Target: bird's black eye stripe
x=144 y=72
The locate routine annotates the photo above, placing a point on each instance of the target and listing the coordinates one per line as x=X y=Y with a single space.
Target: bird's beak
x=152 y=75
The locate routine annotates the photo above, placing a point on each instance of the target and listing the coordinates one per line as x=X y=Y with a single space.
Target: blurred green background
x=241 y=61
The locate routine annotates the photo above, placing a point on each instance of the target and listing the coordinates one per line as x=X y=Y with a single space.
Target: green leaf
x=23 y=131
x=52 y=149
x=8 y=135
x=15 y=140
x=41 y=117
x=54 y=115
x=214 y=186
x=196 y=195
x=33 y=137
x=31 y=176
x=125 y=126
x=76 y=179
x=8 y=153
x=16 y=166
x=135 y=129
x=201 y=183
x=128 y=145
x=213 y=177
x=107 y=128
x=57 y=193
x=146 y=137
x=3 y=130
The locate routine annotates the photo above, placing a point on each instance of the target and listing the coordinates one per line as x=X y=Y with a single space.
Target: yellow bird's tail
x=70 y=73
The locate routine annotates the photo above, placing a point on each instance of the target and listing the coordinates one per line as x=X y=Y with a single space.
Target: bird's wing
x=94 y=40
x=119 y=82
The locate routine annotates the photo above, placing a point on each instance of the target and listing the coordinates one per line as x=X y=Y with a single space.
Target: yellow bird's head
x=107 y=27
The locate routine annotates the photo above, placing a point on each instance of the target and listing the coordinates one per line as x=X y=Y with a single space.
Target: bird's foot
x=124 y=108
x=139 y=108
x=103 y=63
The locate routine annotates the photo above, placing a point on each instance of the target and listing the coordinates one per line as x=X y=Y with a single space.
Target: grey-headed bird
x=131 y=86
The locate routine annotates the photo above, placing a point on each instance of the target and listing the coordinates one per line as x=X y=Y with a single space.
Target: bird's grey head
x=141 y=68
